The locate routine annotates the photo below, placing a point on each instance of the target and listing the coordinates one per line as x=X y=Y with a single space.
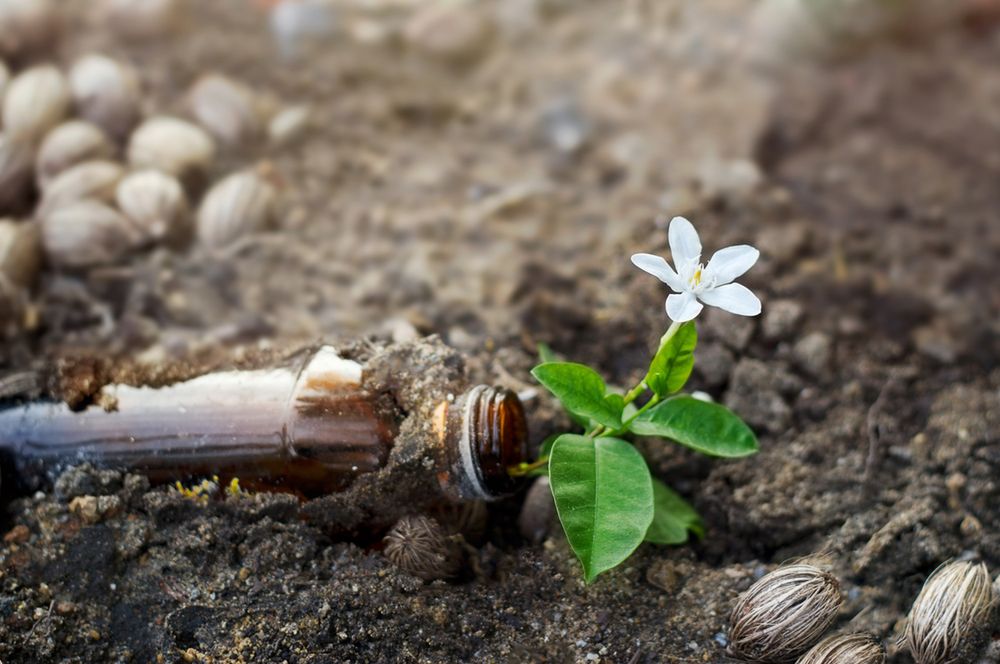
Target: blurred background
x=182 y=181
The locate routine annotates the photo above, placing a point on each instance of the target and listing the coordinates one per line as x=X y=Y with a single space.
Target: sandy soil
x=440 y=198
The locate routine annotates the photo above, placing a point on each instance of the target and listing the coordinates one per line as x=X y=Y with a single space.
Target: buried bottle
x=316 y=425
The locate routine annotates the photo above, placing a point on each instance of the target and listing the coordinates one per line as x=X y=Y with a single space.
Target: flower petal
x=684 y=307
x=684 y=245
x=734 y=298
x=729 y=263
x=659 y=268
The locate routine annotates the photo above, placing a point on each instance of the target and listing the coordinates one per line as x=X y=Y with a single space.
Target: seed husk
x=16 y=165
x=36 y=100
x=106 y=92
x=69 y=144
x=155 y=203
x=951 y=619
x=27 y=27
x=419 y=546
x=846 y=649
x=171 y=145
x=20 y=251
x=225 y=108
x=87 y=233
x=91 y=179
x=784 y=614
x=239 y=204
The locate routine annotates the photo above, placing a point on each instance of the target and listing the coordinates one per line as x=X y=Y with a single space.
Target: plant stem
x=649 y=404
x=522 y=469
x=636 y=391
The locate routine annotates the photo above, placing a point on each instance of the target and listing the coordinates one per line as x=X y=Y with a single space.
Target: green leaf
x=701 y=425
x=672 y=364
x=604 y=496
x=546 y=447
x=673 y=517
x=581 y=391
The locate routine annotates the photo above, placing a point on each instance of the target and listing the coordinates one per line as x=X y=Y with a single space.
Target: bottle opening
x=494 y=437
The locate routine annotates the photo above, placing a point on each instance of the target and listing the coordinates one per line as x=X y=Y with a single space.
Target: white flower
x=694 y=281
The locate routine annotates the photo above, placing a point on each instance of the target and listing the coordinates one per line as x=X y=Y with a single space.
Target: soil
x=442 y=197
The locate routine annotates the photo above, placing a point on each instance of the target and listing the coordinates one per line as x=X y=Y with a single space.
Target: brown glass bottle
x=312 y=427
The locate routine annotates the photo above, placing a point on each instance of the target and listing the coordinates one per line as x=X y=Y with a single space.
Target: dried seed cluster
x=419 y=546
x=846 y=649
x=784 y=613
x=951 y=618
x=97 y=178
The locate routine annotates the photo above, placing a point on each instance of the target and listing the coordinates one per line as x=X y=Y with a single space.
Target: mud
x=431 y=197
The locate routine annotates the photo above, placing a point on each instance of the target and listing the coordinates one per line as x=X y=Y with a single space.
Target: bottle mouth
x=494 y=437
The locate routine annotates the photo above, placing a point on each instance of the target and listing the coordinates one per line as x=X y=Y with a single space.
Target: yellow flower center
x=696 y=277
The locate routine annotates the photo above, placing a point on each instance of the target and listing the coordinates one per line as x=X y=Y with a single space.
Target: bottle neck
x=485 y=433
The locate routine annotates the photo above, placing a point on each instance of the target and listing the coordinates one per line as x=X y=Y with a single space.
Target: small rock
x=755 y=394
x=537 y=512
x=132 y=539
x=93 y=509
x=813 y=353
x=458 y=33
x=563 y=125
x=19 y=534
x=935 y=343
x=84 y=480
x=734 y=331
x=85 y=507
x=781 y=319
x=714 y=364
x=783 y=244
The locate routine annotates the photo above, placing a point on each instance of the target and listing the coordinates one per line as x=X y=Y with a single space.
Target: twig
x=875 y=431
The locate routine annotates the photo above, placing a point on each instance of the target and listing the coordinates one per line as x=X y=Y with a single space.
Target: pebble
x=781 y=319
x=19 y=534
x=537 y=512
x=783 y=243
x=715 y=364
x=754 y=394
x=734 y=331
x=458 y=33
x=814 y=353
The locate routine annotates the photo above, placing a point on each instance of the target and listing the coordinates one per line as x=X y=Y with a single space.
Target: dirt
x=437 y=198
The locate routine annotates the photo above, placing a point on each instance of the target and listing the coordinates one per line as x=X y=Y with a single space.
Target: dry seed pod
x=143 y=19
x=846 y=649
x=27 y=26
x=154 y=202
x=225 y=108
x=106 y=92
x=69 y=144
x=91 y=179
x=288 y=125
x=35 y=102
x=20 y=251
x=784 y=614
x=418 y=545
x=87 y=233
x=172 y=146
x=16 y=164
x=239 y=204
x=951 y=619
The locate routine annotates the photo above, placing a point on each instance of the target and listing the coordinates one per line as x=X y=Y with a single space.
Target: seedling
x=606 y=499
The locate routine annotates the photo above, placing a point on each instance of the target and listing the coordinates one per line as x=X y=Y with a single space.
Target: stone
x=781 y=319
